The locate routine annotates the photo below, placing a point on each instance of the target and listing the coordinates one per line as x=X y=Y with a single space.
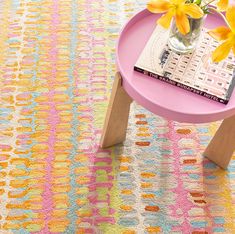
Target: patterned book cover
x=194 y=72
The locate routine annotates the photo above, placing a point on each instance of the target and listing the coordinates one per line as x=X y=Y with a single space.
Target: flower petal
x=193 y=10
x=178 y=2
x=223 y=5
x=182 y=22
x=222 y=51
x=233 y=49
x=220 y=33
x=158 y=6
x=165 y=20
x=230 y=16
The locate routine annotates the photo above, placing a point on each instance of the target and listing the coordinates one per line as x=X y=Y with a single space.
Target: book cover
x=194 y=72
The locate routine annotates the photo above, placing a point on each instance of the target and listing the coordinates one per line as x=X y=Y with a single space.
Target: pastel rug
x=56 y=71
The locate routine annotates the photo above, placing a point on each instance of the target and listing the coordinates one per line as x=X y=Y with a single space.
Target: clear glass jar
x=185 y=43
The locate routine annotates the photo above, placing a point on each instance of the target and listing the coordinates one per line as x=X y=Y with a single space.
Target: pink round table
x=161 y=98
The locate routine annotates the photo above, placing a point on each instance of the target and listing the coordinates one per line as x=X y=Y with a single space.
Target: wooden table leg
x=115 y=125
x=222 y=145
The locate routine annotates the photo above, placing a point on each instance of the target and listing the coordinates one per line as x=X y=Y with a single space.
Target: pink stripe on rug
x=53 y=120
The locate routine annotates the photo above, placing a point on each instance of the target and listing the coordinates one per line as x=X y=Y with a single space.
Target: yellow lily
x=178 y=9
x=222 y=5
x=226 y=34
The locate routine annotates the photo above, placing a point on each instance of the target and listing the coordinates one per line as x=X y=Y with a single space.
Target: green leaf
x=206 y=10
x=198 y=2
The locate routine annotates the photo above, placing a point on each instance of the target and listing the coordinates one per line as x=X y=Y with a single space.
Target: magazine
x=194 y=72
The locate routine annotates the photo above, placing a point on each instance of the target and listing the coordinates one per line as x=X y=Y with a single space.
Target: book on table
x=194 y=72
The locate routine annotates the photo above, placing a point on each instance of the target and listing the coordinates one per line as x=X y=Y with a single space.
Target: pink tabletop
x=161 y=98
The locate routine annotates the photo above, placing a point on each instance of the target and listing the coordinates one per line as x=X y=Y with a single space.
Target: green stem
x=208 y=3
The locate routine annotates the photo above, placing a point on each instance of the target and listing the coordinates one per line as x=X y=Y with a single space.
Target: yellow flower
x=226 y=34
x=222 y=5
x=177 y=8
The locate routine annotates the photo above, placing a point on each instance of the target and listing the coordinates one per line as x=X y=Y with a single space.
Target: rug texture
x=56 y=72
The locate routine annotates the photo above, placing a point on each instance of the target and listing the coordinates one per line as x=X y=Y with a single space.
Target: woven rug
x=56 y=72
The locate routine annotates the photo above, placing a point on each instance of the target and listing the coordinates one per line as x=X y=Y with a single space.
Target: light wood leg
x=115 y=125
x=222 y=145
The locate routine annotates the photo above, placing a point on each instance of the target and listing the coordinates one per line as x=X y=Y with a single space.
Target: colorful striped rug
x=56 y=72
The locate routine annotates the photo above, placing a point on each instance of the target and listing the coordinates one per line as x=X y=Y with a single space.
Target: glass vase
x=185 y=43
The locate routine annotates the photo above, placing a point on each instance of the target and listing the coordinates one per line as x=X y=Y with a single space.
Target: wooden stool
x=161 y=98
